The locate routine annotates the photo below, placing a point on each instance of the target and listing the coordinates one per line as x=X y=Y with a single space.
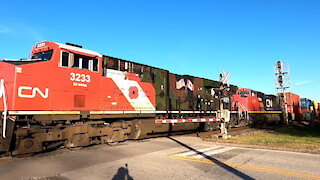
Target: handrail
x=242 y=108
x=3 y=93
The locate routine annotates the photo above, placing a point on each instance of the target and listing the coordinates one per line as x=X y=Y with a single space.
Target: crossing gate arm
x=163 y=121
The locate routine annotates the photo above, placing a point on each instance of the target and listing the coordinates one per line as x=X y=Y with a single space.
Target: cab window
x=65 y=59
x=95 y=64
x=73 y=60
x=85 y=63
x=76 y=61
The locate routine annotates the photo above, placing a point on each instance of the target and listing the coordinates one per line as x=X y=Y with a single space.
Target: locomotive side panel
x=35 y=93
x=185 y=93
x=176 y=95
x=143 y=74
x=161 y=86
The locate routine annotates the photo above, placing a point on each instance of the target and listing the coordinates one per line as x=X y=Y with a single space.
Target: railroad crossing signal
x=224 y=78
x=224 y=83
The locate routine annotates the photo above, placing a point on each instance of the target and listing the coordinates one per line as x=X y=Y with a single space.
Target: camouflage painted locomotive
x=69 y=96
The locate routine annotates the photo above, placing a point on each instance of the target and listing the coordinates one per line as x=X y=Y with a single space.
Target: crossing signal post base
x=223 y=131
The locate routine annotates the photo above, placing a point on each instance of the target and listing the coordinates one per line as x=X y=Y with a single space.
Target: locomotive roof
x=75 y=48
x=157 y=68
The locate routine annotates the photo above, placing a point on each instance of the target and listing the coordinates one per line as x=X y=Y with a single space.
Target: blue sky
x=196 y=37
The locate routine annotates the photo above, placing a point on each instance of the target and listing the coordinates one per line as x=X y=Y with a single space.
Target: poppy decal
x=133 y=92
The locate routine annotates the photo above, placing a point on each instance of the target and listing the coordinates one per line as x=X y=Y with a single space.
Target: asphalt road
x=177 y=157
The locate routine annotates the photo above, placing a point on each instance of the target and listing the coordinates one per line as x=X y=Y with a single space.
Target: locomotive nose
x=7 y=76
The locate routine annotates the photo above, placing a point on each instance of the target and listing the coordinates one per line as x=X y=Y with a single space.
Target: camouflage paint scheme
x=200 y=99
x=157 y=77
x=168 y=97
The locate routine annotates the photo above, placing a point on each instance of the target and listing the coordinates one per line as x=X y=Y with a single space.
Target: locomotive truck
x=65 y=95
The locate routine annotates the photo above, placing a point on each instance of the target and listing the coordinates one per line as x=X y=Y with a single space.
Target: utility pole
x=282 y=74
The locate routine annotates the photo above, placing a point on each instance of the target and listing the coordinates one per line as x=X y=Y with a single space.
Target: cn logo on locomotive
x=269 y=103
x=30 y=92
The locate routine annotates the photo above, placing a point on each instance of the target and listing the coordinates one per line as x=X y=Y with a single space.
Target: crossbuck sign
x=224 y=78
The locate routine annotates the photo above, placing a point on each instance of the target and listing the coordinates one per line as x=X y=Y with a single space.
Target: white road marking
x=190 y=153
x=217 y=151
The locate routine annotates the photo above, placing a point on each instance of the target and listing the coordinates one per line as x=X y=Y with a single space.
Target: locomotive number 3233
x=80 y=77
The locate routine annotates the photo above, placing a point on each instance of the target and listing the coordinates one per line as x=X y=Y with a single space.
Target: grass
x=305 y=139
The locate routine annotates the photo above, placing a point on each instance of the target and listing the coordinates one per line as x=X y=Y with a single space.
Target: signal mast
x=224 y=114
x=282 y=74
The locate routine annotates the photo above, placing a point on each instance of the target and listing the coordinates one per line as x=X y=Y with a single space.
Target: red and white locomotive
x=66 y=78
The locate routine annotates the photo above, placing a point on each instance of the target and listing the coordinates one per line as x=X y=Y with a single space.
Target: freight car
x=301 y=108
x=294 y=105
x=68 y=96
x=316 y=109
x=307 y=109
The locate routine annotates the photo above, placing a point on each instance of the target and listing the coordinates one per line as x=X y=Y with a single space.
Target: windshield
x=37 y=57
x=45 y=55
x=243 y=93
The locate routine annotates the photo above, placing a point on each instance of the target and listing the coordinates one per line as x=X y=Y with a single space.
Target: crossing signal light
x=280 y=79
x=279 y=65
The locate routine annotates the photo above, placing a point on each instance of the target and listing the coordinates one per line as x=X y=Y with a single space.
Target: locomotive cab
x=245 y=100
x=45 y=80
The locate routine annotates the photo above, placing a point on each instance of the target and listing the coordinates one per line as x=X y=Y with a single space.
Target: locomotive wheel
x=79 y=140
x=136 y=129
x=119 y=132
x=27 y=146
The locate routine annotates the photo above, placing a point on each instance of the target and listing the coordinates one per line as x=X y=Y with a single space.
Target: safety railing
x=5 y=110
x=242 y=110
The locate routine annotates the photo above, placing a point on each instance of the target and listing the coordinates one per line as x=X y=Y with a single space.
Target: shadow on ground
x=122 y=174
x=216 y=161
